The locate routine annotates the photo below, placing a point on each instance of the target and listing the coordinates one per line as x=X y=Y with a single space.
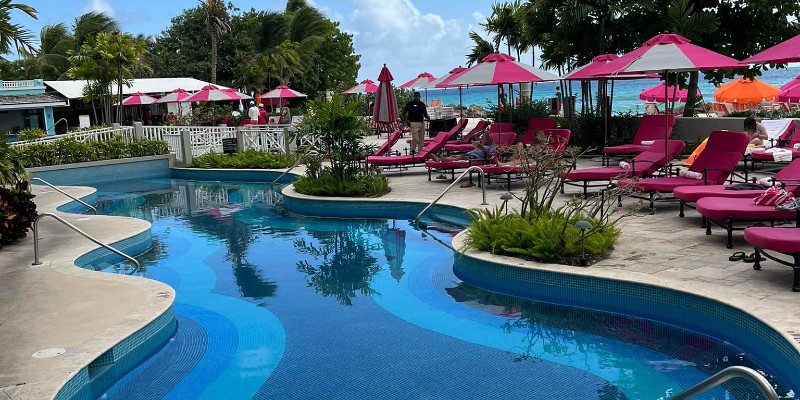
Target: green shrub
x=326 y=184
x=587 y=130
x=246 y=159
x=68 y=151
x=31 y=134
x=17 y=209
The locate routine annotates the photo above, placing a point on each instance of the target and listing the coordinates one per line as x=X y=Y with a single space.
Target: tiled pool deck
x=58 y=305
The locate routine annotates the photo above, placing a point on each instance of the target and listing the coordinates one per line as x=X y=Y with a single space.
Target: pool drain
x=51 y=352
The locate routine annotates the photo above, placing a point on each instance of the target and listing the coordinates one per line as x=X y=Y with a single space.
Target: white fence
x=201 y=139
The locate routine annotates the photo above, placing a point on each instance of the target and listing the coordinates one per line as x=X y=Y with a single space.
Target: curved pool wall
x=685 y=310
x=636 y=299
x=89 y=173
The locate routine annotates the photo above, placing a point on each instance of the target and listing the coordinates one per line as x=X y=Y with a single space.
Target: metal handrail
x=483 y=190
x=66 y=194
x=296 y=163
x=729 y=373
x=76 y=229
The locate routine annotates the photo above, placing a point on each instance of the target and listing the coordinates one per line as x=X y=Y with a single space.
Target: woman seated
x=520 y=156
x=483 y=149
x=757 y=132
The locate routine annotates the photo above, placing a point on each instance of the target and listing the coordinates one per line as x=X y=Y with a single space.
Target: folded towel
x=781 y=155
x=690 y=174
x=647 y=142
x=624 y=165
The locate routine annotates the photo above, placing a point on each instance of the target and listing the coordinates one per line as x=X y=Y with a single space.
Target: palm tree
x=51 y=61
x=504 y=25
x=219 y=23
x=482 y=48
x=87 y=26
x=14 y=33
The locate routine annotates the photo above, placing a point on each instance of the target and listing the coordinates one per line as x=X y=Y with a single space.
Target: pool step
x=443 y=223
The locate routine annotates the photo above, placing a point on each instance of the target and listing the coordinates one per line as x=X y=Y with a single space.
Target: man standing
x=253 y=113
x=416 y=113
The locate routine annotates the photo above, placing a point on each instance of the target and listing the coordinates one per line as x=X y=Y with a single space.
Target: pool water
x=272 y=305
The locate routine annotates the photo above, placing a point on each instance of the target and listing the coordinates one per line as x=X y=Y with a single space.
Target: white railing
x=265 y=137
x=81 y=136
x=11 y=85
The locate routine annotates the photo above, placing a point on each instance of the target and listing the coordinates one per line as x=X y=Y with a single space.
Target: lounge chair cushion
x=782 y=240
x=661 y=185
x=452 y=164
x=764 y=156
x=692 y=194
x=625 y=149
x=722 y=208
x=598 y=174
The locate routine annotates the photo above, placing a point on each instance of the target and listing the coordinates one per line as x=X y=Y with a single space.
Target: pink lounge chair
x=723 y=152
x=692 y=194
x=643 y=165
x=454 y=145
x=454 y=131
x=498 y=138
x=386 y=146
x=413 y=159
x=725 y=212
x=557 y=139
x=536 y=125
x=651 y=128
x=781 y=240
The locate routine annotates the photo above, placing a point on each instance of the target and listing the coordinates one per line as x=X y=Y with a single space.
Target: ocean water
x=626 y=93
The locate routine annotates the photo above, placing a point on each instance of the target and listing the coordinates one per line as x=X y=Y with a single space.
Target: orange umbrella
x=746 y=91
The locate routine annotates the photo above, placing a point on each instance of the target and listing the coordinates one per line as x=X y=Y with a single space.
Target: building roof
x=74 y=89
x=22 y=101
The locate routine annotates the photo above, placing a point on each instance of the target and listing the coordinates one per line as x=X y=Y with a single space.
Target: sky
x=409 y=36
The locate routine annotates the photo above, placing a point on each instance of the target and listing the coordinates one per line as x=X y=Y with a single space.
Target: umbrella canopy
x=240 y=95
x=212 y=93
x=421 y=81
x=656 y=94
x=366 y=86
x=282 y=92
x=790 y=92
x=138 y=99
x=589 y=71
x=446 y=81
x=667 y=52
x=781 y=53
x=746 y=91
x=501 y=68
x=176 y=96
x=385 y=102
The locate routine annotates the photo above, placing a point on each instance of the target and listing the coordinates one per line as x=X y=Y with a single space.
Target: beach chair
x=643 y=165
x=779 y=240
x=723 y=152
x=498 y=138
x=651 y=127
x=386 y=146
x=782 y=136
x=493 y=128
x=413 y=159
x=557 y=139
x=692 y=194
x=454 y=131
x=460 y=144
x=536 y=125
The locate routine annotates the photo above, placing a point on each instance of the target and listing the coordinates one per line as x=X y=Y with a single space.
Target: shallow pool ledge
x=92 y=316
x=760 y=326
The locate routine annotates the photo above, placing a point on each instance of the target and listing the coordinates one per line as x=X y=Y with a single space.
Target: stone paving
x=84 y=312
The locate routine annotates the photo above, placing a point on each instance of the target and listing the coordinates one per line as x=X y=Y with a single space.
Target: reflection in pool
x=278 y=306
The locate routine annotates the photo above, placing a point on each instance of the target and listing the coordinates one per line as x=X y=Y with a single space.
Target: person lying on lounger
x=483 y=149
x=520 y=156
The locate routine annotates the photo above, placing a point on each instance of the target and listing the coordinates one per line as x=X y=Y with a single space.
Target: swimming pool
x=276 y=306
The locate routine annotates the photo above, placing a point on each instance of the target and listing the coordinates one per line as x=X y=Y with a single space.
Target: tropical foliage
x=69 y=150
x=17 y=209
x=14 y=34
x=336 y=128
x=246 y=159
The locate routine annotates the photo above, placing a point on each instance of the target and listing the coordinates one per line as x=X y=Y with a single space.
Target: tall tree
x=50 y=61
x=503 y=23
x=482 y=48
x=219 y=23
x=87 y=26
x=14 y=34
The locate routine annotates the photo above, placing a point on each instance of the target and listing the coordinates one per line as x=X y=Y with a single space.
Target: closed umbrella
x=385 y=110
x=499 y=69
x=421 y=81
x=790 y=92
x=664 y=53
x=745 y=91
x=656 y=94
x=366 y=86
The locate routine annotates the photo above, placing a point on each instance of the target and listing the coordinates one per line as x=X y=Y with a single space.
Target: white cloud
x=100 y=6
x=408 y=41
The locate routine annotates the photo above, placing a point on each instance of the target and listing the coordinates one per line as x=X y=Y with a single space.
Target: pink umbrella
x=138 y=99
x=241 y=96
x=790 y=92
x=421 y=81
x=444 y=82
x=282 y=92
x=656 y=94
x=212 y=93
x=385 y=111
x=366 y=86
x=176 y=96
x=664 y=53
x=781 y=53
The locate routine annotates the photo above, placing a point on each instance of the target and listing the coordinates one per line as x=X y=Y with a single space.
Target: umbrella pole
x=460 y=104
x=666 y=118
